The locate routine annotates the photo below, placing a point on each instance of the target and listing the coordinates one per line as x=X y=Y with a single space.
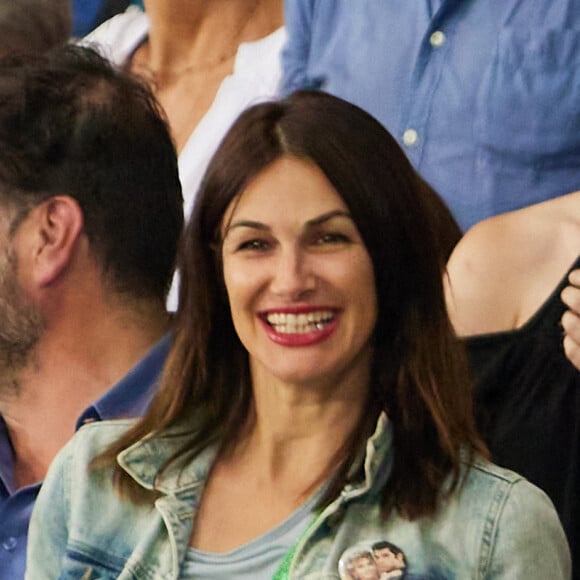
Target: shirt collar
x=131 y=396
x=6 y=460
x=128 y=398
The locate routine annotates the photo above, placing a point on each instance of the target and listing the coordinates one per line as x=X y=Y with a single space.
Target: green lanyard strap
x=283 y=571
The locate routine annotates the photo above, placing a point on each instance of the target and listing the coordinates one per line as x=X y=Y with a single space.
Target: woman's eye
x=332 y=238
x=253 y=245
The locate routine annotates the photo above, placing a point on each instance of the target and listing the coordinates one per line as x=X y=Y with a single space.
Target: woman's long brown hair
x=419 y=374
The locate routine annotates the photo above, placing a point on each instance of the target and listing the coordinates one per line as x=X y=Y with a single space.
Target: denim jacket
x=497 y=525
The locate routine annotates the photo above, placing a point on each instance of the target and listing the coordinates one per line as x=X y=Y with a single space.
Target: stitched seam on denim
x=90 y=555
x=491 y=524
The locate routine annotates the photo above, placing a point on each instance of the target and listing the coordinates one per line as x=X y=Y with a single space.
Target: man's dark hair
x=71 y=124
x=34 y=26
x=383 y=544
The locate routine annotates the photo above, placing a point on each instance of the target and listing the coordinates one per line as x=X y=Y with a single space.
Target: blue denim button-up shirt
x=498 y=526
x=128 y=398
x=483 y=95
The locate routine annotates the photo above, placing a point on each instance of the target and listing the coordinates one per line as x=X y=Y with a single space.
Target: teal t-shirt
x=257 y=559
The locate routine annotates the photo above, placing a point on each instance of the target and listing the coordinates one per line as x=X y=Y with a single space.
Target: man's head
x=86 y=165
x=388 y=557
x=71 y=125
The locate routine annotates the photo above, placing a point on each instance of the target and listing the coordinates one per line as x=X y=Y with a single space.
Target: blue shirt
x=85 y=14
x=483 y=95
x=128 y=398
x=88 y=14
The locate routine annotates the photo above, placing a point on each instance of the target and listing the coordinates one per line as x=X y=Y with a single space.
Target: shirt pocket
x=528 y=106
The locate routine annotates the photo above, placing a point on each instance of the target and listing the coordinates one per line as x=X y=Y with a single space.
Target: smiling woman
x=315 y=399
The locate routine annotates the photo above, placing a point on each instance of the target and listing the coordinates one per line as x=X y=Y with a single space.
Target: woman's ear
x=57 y=227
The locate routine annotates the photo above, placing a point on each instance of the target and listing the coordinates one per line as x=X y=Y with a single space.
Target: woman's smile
x=300 y=327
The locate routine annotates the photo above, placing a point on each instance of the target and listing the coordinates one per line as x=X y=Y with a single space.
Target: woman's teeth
x=299 y=323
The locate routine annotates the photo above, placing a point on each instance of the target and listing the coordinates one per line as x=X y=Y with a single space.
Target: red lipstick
x=297 y=339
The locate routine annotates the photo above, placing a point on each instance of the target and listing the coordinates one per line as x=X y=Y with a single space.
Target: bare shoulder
x=505 y=267
x=483 y=269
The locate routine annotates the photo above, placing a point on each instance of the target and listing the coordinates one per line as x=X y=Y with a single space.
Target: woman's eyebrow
x=310 y=223
x=246 y=224
x=328 y=216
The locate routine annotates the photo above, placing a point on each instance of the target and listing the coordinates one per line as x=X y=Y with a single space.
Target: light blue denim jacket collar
x=143 y=460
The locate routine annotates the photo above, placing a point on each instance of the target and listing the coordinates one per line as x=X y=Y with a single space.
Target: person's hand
x=571 y=318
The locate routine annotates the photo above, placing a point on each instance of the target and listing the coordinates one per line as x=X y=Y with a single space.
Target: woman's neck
x=304 y=427
x=201 y=33
x=303 y=444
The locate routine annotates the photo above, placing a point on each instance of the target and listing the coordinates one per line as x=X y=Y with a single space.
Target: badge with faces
x=380 y=560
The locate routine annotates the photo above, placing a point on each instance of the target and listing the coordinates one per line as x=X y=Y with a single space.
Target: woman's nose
x=293 y=275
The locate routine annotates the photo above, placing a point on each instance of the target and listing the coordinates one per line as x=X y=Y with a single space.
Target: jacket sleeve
x=48 y=532
x=298 y=16
x=529 y=542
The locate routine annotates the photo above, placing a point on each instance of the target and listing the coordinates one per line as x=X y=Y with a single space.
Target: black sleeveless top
x=528 y=407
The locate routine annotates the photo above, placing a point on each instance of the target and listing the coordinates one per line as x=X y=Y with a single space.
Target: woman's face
x=365 y=568
x=299 y=279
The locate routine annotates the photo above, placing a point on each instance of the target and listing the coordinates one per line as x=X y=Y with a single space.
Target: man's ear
x=59 y=223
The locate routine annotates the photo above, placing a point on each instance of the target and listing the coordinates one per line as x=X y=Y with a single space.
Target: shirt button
x=410 y=137
x=437 y=39
x=9 y=544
